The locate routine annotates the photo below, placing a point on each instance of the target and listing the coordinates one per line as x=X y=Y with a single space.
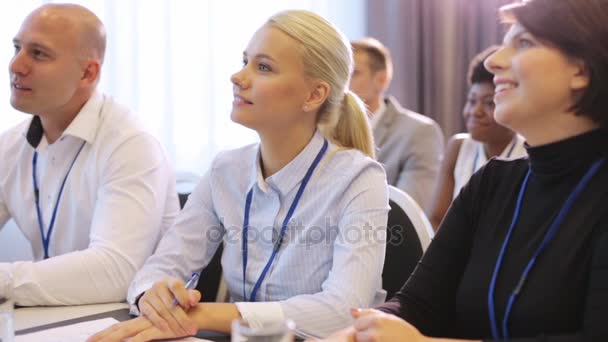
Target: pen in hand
x=190 y=284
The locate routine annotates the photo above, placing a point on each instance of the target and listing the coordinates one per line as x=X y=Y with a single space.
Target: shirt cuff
x=134 y=294
x=258 y=314
x=6 y=280
x=134 y=310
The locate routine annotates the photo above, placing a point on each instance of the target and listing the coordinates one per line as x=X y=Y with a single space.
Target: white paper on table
x=79 y=332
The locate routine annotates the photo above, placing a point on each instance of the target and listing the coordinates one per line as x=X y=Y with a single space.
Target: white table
x=30 y=317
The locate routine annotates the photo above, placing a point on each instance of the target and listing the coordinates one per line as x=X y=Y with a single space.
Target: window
x=171 y=60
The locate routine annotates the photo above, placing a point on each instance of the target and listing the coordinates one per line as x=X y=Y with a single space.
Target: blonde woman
x=302 y=214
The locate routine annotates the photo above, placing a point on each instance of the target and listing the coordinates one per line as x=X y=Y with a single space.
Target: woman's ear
x=317 y=96
x=580 y=76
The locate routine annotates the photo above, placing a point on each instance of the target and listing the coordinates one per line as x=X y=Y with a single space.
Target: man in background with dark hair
x=409 y=145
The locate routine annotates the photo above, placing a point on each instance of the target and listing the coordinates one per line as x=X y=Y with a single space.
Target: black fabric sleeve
x=596 y=305
x=427 y=299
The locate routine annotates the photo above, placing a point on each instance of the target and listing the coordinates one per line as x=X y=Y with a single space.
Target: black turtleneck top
x=565 y=297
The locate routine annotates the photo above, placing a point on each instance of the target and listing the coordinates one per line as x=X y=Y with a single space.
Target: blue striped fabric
x=333 y=252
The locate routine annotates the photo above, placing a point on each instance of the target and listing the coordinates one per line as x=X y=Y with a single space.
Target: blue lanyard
x=47 y=239
x=277 y=245
x=481 y=147
x=543 y=245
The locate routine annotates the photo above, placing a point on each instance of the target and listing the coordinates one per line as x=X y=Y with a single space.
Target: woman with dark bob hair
x=522 y=254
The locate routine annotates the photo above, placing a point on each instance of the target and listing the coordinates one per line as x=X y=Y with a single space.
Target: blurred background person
x=409 y=145
x=468 y=152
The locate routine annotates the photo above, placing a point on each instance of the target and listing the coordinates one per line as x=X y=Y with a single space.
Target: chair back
x=414 y=212
x=409 y=234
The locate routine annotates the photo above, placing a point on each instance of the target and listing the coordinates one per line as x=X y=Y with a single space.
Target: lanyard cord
x=279 y=242
x=47 y=239
x=551 y=232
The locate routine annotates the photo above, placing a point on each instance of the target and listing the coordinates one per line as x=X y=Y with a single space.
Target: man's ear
x=90 y=75
x=317 y=96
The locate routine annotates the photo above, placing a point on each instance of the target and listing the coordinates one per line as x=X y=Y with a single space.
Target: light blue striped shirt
x=331 y=258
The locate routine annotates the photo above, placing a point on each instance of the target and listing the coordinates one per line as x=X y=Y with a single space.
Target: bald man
x=88 y=187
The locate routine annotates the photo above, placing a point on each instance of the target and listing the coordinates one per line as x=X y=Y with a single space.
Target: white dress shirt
x=332 y=256
x=375 y=119
x=118 y=199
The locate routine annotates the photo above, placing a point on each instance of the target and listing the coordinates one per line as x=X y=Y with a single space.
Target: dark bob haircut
x=578 y=28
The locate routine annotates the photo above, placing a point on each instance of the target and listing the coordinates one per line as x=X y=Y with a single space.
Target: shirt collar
x=291 y=174
x=84 y=125
x=375 y=119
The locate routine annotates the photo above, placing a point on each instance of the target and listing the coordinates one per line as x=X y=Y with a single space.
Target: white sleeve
x=126 y=224
x=258 y=314
x=4 y=214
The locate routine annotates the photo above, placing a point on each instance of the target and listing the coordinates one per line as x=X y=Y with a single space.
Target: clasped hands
x=160 y=318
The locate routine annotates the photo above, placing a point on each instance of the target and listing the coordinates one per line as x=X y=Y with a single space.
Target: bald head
x=56 y=66
x=83 y=25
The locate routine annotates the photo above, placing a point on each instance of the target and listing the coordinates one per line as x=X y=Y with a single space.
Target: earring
x=306 y=108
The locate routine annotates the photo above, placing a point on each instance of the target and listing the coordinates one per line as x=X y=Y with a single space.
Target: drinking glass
x=7 y=327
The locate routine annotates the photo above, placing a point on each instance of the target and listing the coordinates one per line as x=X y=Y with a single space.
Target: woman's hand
x=205 y=316
x=156 y=305
x=376 y=326
x=136 y=330
x=346 y=335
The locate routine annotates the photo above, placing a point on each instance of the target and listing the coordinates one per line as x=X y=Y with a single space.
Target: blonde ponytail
x=352 y=129
x=327 y=55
